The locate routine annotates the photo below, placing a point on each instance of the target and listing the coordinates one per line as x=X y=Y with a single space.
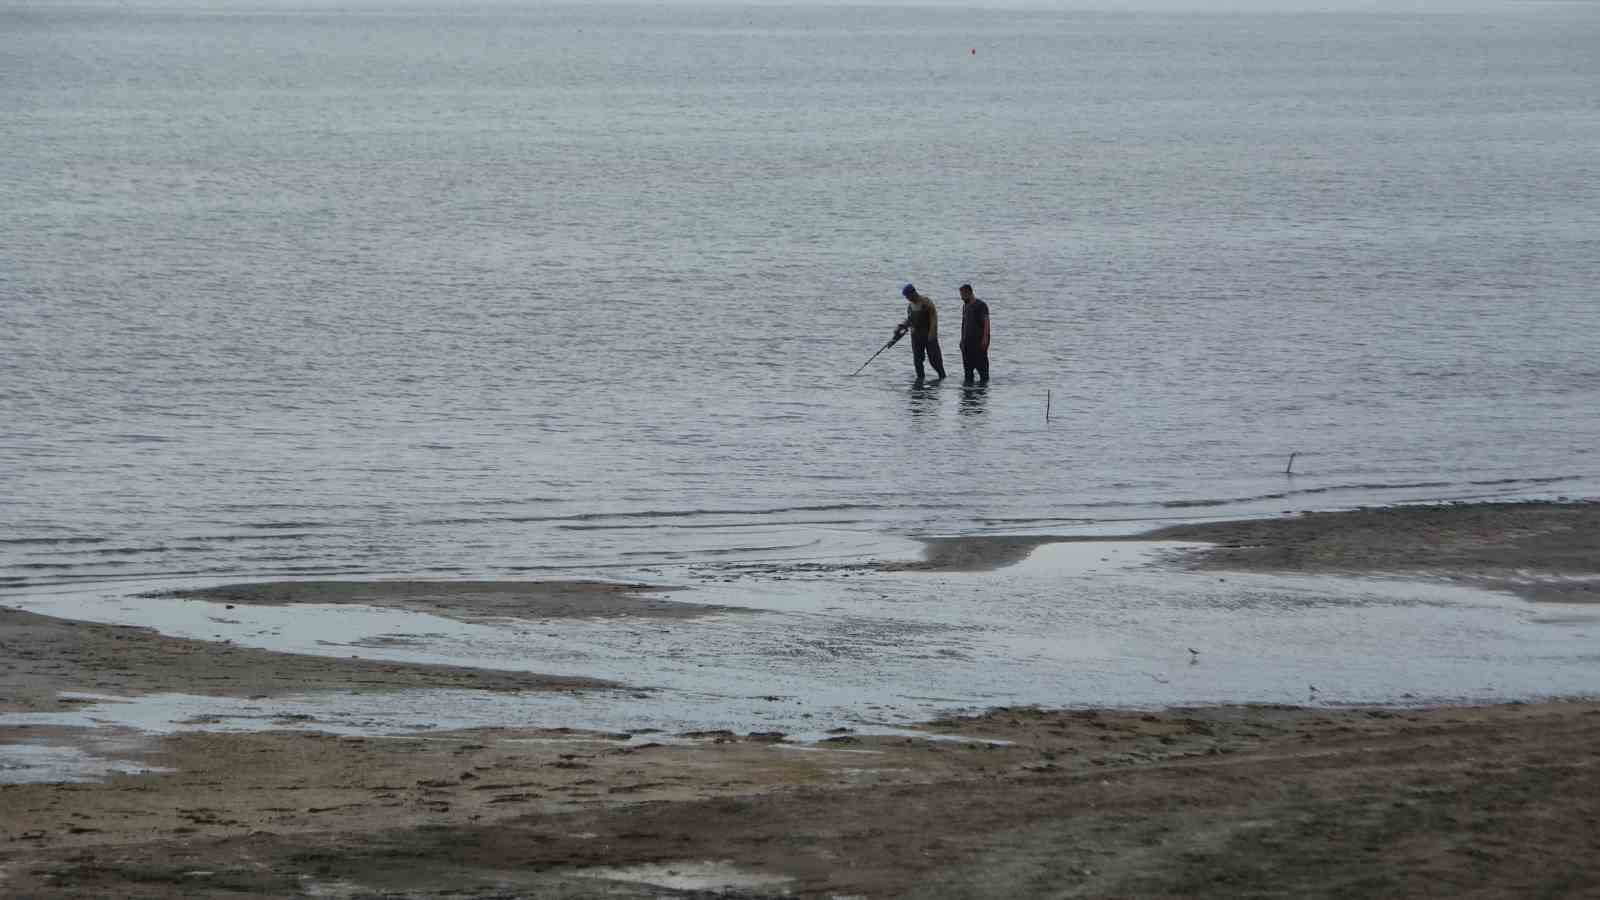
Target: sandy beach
x=1218 y=801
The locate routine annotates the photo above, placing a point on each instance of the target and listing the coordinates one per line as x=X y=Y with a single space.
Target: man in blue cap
x=922 y=320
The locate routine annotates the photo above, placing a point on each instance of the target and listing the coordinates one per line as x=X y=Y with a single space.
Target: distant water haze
x=490 y=290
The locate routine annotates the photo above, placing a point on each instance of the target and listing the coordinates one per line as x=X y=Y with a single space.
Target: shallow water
x=24 y=763
x=689 y=876
x=1076 y=625
x=493 y=291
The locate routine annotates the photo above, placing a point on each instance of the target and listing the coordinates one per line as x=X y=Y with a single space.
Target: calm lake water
x=493 y=291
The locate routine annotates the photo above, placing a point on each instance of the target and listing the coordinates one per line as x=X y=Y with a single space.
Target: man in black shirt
x=974 y=335
x=922 y=320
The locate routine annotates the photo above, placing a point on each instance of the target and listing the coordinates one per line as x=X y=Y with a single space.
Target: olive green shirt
x=922 y=318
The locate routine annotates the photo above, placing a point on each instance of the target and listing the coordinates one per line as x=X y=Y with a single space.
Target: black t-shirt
x=973 y=315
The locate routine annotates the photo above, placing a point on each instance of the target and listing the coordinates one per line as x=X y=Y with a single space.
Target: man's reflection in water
x=973 y=399
x=924 y=400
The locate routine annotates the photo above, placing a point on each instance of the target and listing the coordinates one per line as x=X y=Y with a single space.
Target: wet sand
x=1216 y=802
x=470 y=601
x=1262 y=802
x=42 y=656
x=971 y=554
x=1542 y=551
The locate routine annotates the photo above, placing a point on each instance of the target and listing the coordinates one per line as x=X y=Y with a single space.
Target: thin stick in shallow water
x=1047 y=406
x=1289 y=469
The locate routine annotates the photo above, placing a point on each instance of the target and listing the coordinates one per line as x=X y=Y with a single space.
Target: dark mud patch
x=1542 y=551
x=42 y=656
x=979 y=553
x=465 y=600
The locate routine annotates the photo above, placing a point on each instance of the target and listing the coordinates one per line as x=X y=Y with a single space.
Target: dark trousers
x=975 y=358
x=929 y=346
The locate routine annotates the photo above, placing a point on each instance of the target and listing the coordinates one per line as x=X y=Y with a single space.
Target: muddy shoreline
x=1541 y=551
x=1218 y=802
x=1214 y=802
x=43 y=656
x=468 y=601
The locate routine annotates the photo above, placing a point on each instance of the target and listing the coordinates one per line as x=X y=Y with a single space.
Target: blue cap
x=908 y=290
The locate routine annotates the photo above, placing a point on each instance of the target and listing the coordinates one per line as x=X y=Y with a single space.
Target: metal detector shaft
x=892 y=341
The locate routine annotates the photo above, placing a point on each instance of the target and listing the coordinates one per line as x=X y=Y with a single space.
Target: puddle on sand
x=332 y=889
x=689 y=876
x=50 y=764
x=1077 y=559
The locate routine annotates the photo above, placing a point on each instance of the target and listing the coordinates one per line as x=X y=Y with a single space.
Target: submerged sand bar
x=465 y=600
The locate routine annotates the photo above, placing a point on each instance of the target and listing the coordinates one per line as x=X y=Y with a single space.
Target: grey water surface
x=490 y=290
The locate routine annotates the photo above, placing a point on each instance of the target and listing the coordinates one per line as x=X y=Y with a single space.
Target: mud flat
x=1543 y=551
x=464 y=600
x=1222 y=801
x=45 y=655
x=1482 y=802
x=972 y=554
x=42 y=656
